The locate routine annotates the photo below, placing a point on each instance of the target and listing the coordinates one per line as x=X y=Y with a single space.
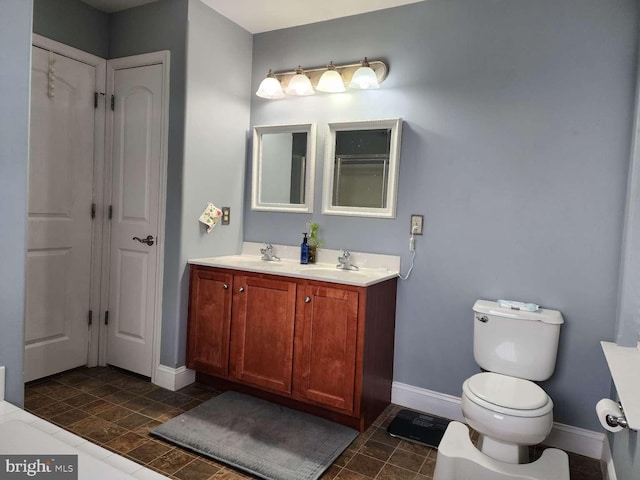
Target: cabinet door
x=209 y=321
x=262 y=332
x=329 y=344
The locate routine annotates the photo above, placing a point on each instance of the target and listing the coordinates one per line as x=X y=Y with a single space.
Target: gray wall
x=216 y=125
x=515 y=148
x=152 y=27
x=625 y=451
x=73 y=23
x=214 y=115
x=15 y=58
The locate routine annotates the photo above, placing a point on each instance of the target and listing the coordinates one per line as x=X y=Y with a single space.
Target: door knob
x=307 y=299
x=148 y=240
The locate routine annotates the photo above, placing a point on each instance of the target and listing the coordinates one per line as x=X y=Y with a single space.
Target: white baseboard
x=173 y=378
x=565 y=437
x=576 y=440
x=439 y=404
x=609 y=472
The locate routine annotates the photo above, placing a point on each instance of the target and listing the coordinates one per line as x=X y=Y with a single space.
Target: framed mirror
x=283 y=168
x=361 y=168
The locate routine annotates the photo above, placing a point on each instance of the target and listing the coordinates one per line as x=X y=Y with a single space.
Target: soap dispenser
x=304 y=251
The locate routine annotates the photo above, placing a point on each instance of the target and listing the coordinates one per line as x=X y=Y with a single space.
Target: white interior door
x=60 y=225
x=137 y=149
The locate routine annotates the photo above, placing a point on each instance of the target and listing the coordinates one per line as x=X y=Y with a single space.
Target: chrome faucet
x=344 y=261
x=267 y=253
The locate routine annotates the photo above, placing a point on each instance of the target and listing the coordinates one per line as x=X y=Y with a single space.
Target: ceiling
x=111 y=6
x=258 y=16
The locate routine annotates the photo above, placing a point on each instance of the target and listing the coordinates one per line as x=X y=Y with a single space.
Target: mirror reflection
x=361 y=168
x=283 y=168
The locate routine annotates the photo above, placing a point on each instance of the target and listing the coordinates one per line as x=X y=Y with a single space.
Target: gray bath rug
x=259 y=437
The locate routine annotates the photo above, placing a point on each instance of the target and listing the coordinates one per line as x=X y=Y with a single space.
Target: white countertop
x=624 y=364
x=373 y=268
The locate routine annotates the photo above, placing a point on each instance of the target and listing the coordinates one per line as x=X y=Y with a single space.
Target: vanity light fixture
x=366 y=74
x=364 y=78
x=270 y=87
x=331 y=81
x=300 y=84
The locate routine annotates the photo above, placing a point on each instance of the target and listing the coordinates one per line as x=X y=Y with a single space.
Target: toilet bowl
x=509 y=413
x=458 y=459
x=514 y=348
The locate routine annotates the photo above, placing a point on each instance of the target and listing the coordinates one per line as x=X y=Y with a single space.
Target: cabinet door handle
x=307 y=299
x=225 y=286
x=241 y=289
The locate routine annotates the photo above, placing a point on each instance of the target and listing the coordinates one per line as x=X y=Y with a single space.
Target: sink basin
x=257 y=263
x=327 y=271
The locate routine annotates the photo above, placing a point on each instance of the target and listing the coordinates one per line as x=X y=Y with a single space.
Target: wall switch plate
x=226 y=214
x=416 y=224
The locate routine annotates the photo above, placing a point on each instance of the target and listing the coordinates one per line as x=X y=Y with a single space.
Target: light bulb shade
x=331 y=82
x=270 y=88
x=364 y=78
x=299 y=85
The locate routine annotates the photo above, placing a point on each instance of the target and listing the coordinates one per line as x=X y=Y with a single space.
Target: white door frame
x=95 y=301
x=145 y=59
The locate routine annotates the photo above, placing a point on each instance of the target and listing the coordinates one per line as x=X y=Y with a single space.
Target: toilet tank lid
x=543 y=315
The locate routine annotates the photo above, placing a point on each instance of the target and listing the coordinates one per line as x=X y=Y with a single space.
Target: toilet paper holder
x=620 y=421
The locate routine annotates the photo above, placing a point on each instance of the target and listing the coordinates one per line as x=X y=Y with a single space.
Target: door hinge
x=113 y=103
x=90 y=317
x=110 y=212
x=106 y=317
x=93 y=210
x=96 y=95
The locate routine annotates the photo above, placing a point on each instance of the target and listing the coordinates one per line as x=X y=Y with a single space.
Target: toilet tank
x=514 y=342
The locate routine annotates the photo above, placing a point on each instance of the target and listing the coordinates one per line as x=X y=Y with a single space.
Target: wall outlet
x=416 y=224
x=226 y=214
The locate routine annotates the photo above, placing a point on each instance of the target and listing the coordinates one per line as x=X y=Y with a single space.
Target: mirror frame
x=310 y=168
x=395 y=124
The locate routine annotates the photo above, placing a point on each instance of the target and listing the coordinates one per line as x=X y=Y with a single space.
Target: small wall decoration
x=210 y=216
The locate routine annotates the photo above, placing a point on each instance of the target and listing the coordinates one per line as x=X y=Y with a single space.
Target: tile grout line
x=51 y=391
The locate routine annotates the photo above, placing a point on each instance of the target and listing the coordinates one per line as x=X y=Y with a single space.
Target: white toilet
x=508 y=410
x=502 y=404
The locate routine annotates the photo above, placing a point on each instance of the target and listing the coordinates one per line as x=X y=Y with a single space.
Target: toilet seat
x=507 y=395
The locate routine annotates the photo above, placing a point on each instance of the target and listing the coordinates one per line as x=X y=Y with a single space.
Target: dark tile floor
x=116 y=410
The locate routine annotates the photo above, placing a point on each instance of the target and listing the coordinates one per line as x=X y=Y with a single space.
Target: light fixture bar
x=346 y=71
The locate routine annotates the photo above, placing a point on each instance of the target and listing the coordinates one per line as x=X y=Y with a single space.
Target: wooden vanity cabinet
x=328 y=326
x=209 y=321
x=258 y=349
x=320 y=347
x=262 y=331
